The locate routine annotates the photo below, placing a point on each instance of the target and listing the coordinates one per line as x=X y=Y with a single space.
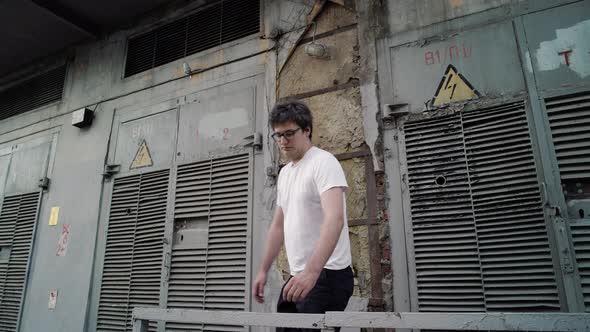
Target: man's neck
x=302 y=155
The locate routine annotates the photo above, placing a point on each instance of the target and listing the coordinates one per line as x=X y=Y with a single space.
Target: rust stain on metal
x=329 y=33
x=361 y=222
x=374 y=247
x=354 y=154
x=347 y=85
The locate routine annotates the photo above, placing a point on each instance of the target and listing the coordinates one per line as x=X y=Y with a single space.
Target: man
x=310 y=219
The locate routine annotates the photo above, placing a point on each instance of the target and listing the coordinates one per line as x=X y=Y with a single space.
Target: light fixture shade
x=316 y=50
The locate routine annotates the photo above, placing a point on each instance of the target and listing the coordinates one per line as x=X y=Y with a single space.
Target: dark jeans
x=330 y=293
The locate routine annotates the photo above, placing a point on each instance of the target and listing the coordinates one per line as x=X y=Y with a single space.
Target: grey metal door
x=555 y=47
x=142 y=153
x=208 y=263
x=492 y=187
x=22 y=166
x=178 y=226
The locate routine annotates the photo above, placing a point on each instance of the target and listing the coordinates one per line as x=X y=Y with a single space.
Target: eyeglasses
x=287 y=134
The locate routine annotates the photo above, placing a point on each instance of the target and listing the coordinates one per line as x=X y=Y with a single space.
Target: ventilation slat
x=134 y=249
x=580 y=231
x=211 y=26
x=34 y=93
x=213 y=278
x=568 y=118
x=511 y=243
x=442 y=143
x=478 y=227
x=17 y=218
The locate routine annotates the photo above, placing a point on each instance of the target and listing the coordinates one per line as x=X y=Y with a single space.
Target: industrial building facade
x=137 y=169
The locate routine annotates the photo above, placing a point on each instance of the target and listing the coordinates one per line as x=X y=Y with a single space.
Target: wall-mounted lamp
x=316 y=50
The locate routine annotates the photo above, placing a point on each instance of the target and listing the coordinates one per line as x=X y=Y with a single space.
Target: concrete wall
x=331 y=87
x=406 y=15
x=95 y=80
x=343 y=91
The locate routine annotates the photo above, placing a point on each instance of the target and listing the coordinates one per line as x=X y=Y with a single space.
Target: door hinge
x=566 y=254
x=167 y=265
x=255 y=141
x=111 y=169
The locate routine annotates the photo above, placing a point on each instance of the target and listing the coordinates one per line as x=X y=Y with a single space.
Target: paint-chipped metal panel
x=4 y=165
x=216 y=120
x=210 y=243
x=569 y=118
x=559 y=47
x=146 y=143
x=17 y=225
x=569 y=121
x=134 y=249
x=445 y=244
x=517 y=269
x=479 y=236
x=580 y=230
x=491 y=68
x=28 y=165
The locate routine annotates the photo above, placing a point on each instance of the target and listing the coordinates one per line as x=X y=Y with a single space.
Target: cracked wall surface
x=330 y=88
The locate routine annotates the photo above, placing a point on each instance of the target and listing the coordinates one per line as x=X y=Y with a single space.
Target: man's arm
x=274 y=241
x=333 y=208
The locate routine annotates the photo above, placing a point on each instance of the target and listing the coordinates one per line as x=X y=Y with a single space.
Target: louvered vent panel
x=36 y=92
x=148 y=243
x=114 y=293
x=133 y=255
x=209 y=27
x=476 y=213
x=140 y=53
x=226 y=256
x=211 y=277
x=514 y=249
x=187 y=277
x=445 y=245
x=203 y=29
x=581 y=238
x=186 y=287
x=240 y=19
x=569 y=117
x=17 y=222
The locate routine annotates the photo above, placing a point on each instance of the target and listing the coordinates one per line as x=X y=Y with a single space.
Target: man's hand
x=274 y=240
x=299 y=286
x=258 y=287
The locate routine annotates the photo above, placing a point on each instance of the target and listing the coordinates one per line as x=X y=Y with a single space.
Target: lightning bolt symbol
x=454 y=86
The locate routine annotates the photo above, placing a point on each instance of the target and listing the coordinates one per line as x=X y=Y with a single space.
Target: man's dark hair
x=292 y=111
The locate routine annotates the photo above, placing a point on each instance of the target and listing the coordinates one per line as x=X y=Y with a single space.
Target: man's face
x=292 y=140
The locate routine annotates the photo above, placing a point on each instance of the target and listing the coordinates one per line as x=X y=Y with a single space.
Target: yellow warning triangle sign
x=142 y=157
x=453 y=87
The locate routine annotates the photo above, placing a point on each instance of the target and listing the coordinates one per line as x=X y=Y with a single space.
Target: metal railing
x=405 y=320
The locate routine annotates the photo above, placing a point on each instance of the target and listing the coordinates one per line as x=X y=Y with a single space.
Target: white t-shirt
x=298 y=195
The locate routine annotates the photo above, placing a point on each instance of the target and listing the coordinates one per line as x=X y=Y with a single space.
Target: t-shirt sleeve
x=279 y=190
x=329 y=174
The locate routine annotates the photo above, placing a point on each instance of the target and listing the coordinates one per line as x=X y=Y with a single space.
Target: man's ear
x=307 y=132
